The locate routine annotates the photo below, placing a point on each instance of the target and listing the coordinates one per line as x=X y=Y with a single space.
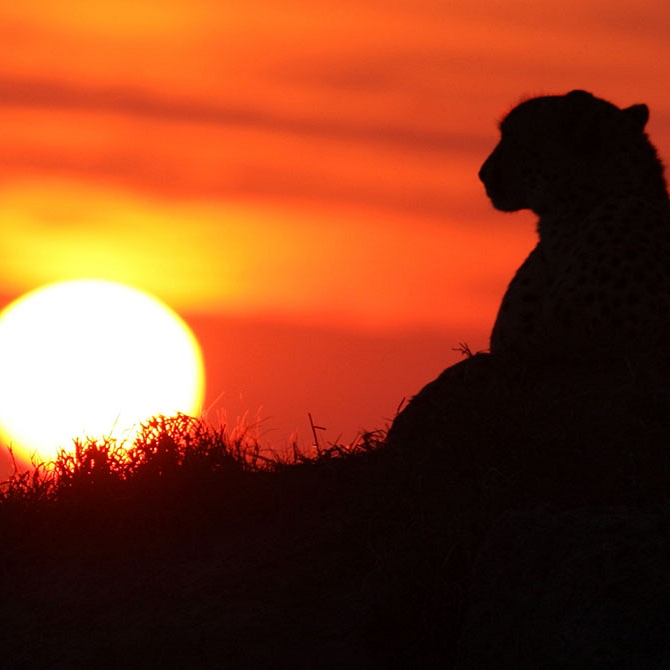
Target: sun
x=91 y=358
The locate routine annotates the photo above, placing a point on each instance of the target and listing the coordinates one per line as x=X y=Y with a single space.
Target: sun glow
x=91 y=358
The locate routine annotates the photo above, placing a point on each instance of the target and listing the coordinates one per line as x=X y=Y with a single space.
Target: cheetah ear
x=580 y=96
x=638 y=114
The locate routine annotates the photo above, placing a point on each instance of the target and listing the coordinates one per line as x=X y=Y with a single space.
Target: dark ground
x=359 y=560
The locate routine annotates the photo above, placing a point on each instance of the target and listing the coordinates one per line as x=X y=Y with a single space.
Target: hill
x=199 y=549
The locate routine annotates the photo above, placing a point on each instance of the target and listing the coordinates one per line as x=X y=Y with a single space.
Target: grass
x=196 y=547
x=179 y=449
x=164 y=448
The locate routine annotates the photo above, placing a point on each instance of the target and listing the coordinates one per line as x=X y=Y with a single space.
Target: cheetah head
x=556 y=151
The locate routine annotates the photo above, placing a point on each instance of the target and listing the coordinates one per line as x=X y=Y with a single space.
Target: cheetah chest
x=605 y=287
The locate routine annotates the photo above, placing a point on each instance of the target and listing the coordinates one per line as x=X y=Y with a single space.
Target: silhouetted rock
x=587 y=584
x=584 y=589
x=597 y=432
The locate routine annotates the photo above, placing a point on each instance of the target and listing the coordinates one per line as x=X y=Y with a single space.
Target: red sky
x=297 y=179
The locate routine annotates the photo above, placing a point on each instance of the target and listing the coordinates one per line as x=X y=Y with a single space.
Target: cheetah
x=598 y=281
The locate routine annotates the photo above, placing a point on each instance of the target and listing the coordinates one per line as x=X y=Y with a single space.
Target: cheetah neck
x=561 y=224
x=554 y=229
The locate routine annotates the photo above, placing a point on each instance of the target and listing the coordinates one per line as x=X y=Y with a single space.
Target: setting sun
x=91 y=358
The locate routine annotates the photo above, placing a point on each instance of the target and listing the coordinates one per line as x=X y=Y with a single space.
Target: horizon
x=303 y=193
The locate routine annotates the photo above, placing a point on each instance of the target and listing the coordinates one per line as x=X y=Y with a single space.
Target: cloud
x=192 y=149
x=132 y=102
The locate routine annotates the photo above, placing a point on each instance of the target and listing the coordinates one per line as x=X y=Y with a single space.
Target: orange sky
x=297 y=179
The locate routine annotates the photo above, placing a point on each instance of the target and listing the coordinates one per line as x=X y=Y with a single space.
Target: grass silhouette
x=174 y=451
x=165 y=447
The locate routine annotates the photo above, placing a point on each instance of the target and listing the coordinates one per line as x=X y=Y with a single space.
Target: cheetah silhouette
x=580 y=349
x=598 y=281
